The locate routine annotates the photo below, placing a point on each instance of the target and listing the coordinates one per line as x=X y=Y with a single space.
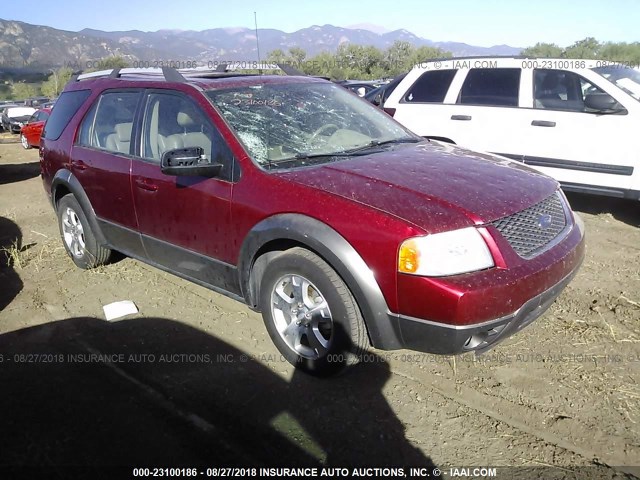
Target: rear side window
x=491 y=86
x=431 y=87
x=66 y=107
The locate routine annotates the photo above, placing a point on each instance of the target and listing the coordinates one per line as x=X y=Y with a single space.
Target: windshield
x=627 y=78
x=286 y=125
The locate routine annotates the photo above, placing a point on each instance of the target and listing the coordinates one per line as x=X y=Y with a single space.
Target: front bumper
x=432 y=337
x=491 y=306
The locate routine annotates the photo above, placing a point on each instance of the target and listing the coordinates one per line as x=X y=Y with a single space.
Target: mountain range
x=36 y=46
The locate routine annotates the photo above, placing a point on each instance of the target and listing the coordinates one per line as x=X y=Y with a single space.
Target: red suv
x=310 y=205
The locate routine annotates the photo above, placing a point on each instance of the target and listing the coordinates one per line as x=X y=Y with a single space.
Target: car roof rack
x=182 y=75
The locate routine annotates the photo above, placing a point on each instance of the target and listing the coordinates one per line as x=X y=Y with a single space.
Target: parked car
x=310 y=205
x=36 y=102
x=3 y=107
x=361 y=87
x=31 y=131
x=13 y=118
x=576 y=120
x=379 y=95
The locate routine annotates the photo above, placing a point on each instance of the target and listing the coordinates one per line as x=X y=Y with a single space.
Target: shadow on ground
x=627 y=211
x=17 y=172
x=10 y=243
x=171 y=395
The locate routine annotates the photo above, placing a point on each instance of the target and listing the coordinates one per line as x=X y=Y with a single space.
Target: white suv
x=576 y=120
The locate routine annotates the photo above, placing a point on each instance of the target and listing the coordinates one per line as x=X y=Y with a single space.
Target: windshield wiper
x=378 y=143
x=357 y=150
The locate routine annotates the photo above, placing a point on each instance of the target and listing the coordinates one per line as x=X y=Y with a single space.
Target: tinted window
x=66 y=107
x=431 y=86
x=489 y=86
x=175 y=121
x=561 y=90
x=43 y=116
x=111 y=126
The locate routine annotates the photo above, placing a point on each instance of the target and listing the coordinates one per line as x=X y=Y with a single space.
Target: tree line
x=364 y=62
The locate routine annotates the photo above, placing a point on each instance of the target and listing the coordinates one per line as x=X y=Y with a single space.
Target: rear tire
x=77 y=237
x=310 y=314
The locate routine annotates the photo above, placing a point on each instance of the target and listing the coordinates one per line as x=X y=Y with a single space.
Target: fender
x=336 y=251
x=64 y=178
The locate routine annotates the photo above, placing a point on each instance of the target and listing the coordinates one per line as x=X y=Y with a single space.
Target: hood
x=429 y=182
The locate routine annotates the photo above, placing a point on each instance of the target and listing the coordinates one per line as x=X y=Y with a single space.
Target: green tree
x=21 y=91
x=621 y=52
x=56 y=82
x=586 y=48
x=297 y=54
x=422 y=54
x=397 y=57
x=108 y=63
x=543 y=50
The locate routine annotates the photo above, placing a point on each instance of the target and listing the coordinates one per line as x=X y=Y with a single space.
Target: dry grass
x=15 y=255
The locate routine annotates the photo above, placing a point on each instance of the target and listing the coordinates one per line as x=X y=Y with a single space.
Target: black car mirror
x=188 y=162
x=603 y=103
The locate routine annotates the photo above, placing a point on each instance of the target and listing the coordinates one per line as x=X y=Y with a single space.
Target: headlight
x=447 y=253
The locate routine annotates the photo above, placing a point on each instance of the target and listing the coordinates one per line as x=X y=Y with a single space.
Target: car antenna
x=255 y=22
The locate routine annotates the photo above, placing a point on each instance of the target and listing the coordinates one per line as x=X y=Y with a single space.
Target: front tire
x=78 y=238
x=310 y=314
x=24 y=142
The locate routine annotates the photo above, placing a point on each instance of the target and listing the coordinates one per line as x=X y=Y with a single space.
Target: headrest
x=123 y=130
x=184 y=119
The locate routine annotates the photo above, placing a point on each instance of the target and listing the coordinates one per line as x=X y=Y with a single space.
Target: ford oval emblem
x=545 y=221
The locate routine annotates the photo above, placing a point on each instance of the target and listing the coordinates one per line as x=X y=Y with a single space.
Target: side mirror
x=603 y=103
x=188 y=162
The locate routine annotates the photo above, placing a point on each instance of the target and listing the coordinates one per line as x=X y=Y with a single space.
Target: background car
x=5 y=105
x=575 y=120
x=361 y=87
x=32 y=130
x=13 y=118
x=379 y=95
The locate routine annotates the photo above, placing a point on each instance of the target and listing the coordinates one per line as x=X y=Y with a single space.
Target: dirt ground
x=193 y=379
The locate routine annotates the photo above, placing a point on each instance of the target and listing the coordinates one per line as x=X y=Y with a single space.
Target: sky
x=518 y=23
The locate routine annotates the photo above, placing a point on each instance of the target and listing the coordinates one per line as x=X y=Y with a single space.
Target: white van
x=575 y=120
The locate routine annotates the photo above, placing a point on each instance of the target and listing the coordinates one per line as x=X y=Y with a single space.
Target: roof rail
x=180 y=75
x=169 y=74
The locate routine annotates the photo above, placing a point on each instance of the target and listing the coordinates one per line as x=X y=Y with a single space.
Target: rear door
x=101 y=161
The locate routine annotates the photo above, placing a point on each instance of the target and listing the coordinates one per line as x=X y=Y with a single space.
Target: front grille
x=531 y=230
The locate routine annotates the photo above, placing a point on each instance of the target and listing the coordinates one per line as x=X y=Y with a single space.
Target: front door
x=184 y=221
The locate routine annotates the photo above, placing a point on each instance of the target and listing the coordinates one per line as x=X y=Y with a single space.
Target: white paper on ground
x=116 y=310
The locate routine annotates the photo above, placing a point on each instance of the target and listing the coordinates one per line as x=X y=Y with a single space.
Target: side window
x=175 y=121
x=34 y=118
x=66 y=107
x=44 y=116
x=491 y=86
x=561 y=90
x=109 y=123
x=430 y=87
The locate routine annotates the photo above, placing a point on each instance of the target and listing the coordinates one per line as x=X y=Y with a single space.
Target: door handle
x=543 y=123
x=146 y=185
x=79 y=165
x=460 y=117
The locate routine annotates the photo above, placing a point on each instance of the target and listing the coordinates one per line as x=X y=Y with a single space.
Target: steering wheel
x=322 y=129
